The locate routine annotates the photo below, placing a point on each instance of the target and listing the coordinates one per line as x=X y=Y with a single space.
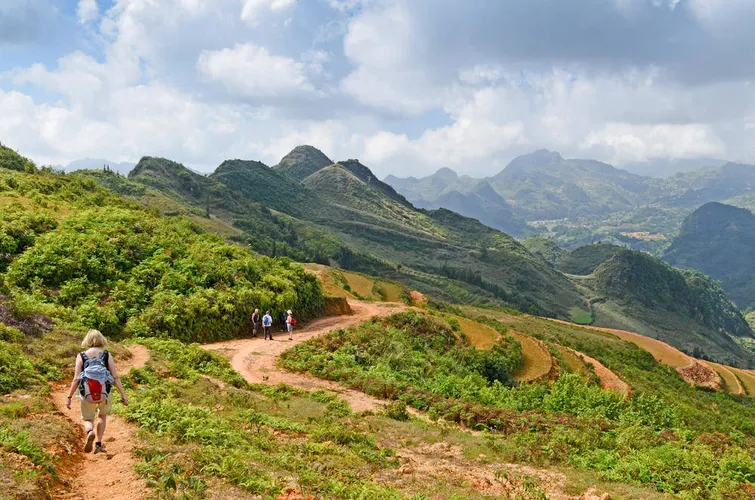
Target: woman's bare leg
x=101 y=423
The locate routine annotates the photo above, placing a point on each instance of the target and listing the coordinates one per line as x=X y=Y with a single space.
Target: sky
x=406 y=86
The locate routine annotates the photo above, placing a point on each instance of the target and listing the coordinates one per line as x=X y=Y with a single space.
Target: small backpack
x=95 y=379
x=293 y=321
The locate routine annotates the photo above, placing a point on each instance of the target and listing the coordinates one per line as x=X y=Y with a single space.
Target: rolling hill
x=341 y=215
x=719 y=240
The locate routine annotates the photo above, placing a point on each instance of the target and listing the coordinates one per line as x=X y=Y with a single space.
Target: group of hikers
x=95 y=374
x=287 y=322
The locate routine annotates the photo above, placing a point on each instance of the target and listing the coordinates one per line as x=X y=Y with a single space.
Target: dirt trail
x=608 y=379
x=688 y=367
x=255 y=359
x=732 y=383
x=110 y=475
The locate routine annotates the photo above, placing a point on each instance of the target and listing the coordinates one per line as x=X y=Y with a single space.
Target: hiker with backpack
x=94 y=375
x=255 y=322
x=267 y=325
x=290 y=323
x=283 y=317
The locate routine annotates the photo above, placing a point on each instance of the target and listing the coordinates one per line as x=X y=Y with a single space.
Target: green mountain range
x=578 y=202
x=719 y=240
x=340 y=214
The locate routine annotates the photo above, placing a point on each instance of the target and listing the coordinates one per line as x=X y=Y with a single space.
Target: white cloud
x=253 y=10
x=251 y=71
x=87 y=11
x=631 y=143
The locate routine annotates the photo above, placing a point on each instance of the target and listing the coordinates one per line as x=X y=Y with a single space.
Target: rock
x=405 y=470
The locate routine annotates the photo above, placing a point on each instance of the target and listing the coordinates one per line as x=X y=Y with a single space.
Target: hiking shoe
x=89 y=442
x=99 y=449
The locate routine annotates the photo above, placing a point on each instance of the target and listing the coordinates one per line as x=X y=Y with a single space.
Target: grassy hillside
x=684 y=308
x=662 y=437
x=546 y=249
x=302 y=162
x=584 y=260
x=719 y=240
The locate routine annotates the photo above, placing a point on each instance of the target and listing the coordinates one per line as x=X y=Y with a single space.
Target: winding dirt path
x=110 y=475
x=255 y=359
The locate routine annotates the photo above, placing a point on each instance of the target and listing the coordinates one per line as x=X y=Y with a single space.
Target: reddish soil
x=255 y=359
x=109 y=475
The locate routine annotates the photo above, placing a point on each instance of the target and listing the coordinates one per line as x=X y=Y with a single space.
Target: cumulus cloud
x=251 y=71
x=87 y=10
x=406 y=86
x=253 y=10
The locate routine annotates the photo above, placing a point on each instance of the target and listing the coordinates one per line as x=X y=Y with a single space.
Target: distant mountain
x=122 y=168
x=544 y=185
x=302 y=162
x=666 y=167
x=425 y=191
x=342 y=215
x=719 y=240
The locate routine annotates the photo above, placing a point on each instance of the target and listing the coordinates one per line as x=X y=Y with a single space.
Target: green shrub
x=16 y=369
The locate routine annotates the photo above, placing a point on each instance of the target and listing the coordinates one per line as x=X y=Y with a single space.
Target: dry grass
x=392 y=291
x=480 y=336
x=361 y=285
x=537 y=360
x=572 y=362
x=747 y=378
x=731 y=384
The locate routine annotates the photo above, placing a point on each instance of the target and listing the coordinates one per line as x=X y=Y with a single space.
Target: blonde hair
x=94 y=338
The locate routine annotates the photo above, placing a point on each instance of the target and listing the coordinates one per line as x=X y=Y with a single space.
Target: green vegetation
x=302 y=162
x=13 y=161
x=584 y=260
x=546 y=249
x=719 y=240
x=254 y=438
x=684 y=308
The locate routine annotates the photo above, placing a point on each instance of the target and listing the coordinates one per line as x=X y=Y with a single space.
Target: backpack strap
x=105 y=357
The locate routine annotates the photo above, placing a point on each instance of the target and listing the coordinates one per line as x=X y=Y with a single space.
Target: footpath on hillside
x=109 y=475
x=255 y=358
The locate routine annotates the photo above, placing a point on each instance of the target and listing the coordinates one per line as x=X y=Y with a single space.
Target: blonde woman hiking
x=93 y=378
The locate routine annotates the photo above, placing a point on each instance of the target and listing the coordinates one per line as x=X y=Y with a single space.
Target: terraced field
x=732 y=385
x=747 y=377
x=480 y=336
x=538 y=362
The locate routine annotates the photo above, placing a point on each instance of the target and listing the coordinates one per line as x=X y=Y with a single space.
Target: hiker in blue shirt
x=267 y=324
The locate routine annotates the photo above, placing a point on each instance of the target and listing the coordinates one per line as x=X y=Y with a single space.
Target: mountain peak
x=302 y=162
x=447 y=173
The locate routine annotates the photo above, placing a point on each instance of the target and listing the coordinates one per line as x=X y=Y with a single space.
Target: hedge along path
x=256 y=359
x=731 y=381
x=608 y=379
x=691 y=370
x=109 y=475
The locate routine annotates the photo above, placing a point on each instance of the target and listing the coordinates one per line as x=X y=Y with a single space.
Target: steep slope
x=684 y=308
x=719 y=240
x=302 y=162
x=486 y=205
x=13 y=161
x=262 y=184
